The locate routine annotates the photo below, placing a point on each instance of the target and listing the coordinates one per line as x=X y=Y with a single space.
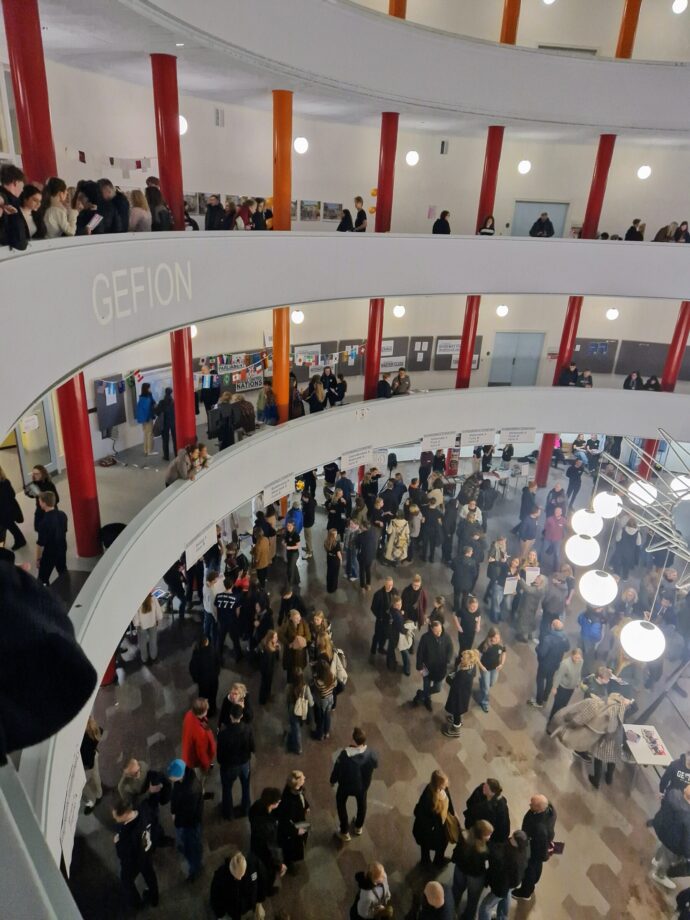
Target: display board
x=447 y=350
x=110 y=403
x=596 y=355
x=158 y=377
x=350 y=366
x=393 y=354
x=645 y=357
x=419 y=353
x=303 y=372
x=227 y=366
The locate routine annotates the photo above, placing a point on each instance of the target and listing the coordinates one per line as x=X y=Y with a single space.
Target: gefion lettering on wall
x=279 y=488
x=476 y=436
x=439 y=441
x=125 y=291
x=518 y=435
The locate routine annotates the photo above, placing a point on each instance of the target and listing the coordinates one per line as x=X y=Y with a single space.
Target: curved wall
x=160 y=531
x=73 y=300
x=432 y=70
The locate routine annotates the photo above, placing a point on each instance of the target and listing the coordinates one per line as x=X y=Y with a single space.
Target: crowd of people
x=462 y=646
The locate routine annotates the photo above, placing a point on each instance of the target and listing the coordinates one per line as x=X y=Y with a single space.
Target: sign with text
x=477 y=436
x=391 y=364
x=518 y=435
x=379 y=458
x=355 y=458
x=202 y=542
x=279 y=488
x=438 y=441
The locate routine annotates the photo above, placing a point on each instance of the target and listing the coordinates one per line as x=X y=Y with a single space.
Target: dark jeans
x=561 y=700
x=228 y=624
x=228 y=775
x=148 y=873
x=438 y=855
x=292 y=573
x=50 y=561
x=190 y=845
x=364 y=574
x=294 y=735
x=599 y=769
x=544 y=683
x=429 y=687
x=530 y=878
x=262 y=574
x=166 y=435
x=322 y=716
x=341 y=804
x=474 y=885
x=378 y=642
x=571 y=492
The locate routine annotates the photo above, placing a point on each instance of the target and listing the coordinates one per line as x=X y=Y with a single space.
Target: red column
x=492 y=159
x=282 y=194
x=509 y=23
x=27 y=67
x=167 y=113
x=372 y=353
x=183 y=386
x=626 y=36
x=469 y=335
x=669 y=378
x=595 y=202
x=81 y=473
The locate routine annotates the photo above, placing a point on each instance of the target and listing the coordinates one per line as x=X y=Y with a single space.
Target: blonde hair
x=438 y=782
x=478 y=835
x=294 y=779
x=138 y=199
x=375 y=872
x=93 y=729
x=241 y=689
x=469 y=659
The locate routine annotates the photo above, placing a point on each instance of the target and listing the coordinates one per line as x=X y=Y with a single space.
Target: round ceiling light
x=524 y=167
x=642 y=493
x=644 y=172
x=502 y=310
x=612 y=313
x=193 y=331
x=398 y=311
x=179 y=44
x=582 y=550
x=549 y=2
x=183 y=125
x=297 y=317
x=680 y=486
x=607 y=504
x=301 y=145
x=642 y=641
x=412 y=158
x=679 y=6
x=598 y=588
x=586 y=522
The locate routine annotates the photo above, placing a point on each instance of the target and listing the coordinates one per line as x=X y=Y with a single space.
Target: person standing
x=531 y=597
x=676 y=775
x=539 y=824
x=345 y=225
x=352 y=772
x=295 y=636
x=322 y=687
x=552 y=647
x=293 y=824
x=40 y=482
x=134 y=847
x=487 y=803
x=292 y=544
x=567 y=679
x=165 y=411
x=92 y=792
x=308 y=517
x=146 y=621
x=471 y=858
x=635 y=231
x=261 y=555
x=204 y=668
x=672 y=828
x=380 y=608
x=434 y=657
x=554 y=533
x=493 y=657
x=366 y=542
x=528 y=502
x=464 y=578
x=212 y=587
x=145 y=414
x=441 y=224
x=528 y=531
x=437 y=902
x=235 y=887
x=10 y=513
x=460 y=691
x=401 y=383
x=51 y=542
x=373 y=894
x=556 y=498
x=468 y=622
x=198 y=743
x=507 y=865
x=542 y=226
x=263 y=821
x=299 y=702
x=186 y=807
x=334 y=556
x=235 y=749
x=430 y=814
x=361 y=218
x=268 y=653
x=574 y=476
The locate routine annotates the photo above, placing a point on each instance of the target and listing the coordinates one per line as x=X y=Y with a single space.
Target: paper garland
x=103 y=161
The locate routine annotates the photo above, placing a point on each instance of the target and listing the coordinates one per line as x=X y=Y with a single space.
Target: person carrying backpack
x=352 y=773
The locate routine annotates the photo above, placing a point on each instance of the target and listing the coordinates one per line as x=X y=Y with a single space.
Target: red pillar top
x=167 y=112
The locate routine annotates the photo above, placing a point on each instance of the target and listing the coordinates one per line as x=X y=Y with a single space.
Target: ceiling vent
x=570 y=49
x=219 y=118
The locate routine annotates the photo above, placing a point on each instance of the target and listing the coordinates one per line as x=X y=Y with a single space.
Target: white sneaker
x=153 y=453
x=663 y=880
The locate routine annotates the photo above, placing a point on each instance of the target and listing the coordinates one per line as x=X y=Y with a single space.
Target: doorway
x=515 y=359
x=526 y=212
x=36 y=442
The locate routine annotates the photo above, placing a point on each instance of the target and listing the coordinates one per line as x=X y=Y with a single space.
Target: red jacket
x=198 y=742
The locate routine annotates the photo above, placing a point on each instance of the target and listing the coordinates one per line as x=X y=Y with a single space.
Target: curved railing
x=430 y=70
x=68 y=302
x=160 y=531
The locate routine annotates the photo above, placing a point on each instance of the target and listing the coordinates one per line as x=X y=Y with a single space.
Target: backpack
x=247 y=417
x=214 y=422
x=340 y=663
x=301 y=707
x=399 y=544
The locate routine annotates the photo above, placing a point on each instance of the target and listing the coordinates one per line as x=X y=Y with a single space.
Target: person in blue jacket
x=145 y=415
x=295 y=515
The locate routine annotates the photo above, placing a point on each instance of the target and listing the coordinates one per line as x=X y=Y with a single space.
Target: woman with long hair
x=40 y=482
x=161 y=219
x=59 y=218
x=488 y=227
x=322 y=686
x=293 y=826
x=93 y=790
x=10 y=513
x=470 y=857
x=268 y=654
x=431 y=813
x=146 y=621
x=460 y=691
x=315 y=395
x=270 y=410
x=345 y=225
x=373 y=896
x=139 y=213
x=295 y=405
x=334 y=556
x=300 y=701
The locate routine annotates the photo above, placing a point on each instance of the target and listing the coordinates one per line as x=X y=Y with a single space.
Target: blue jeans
x=190 y=845
x=496 y=603
x=351 y=561
x=294 y=735
x=491 y=901
x=405 y=655
x=322 y=715
x=210 y=627
x=228 y=775
x=581 y=455
x=429 y=687
x=486 y=681
x=473 y=884
x=552 y=550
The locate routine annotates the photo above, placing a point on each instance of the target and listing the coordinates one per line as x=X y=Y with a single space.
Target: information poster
x=279 y=488
x=379 y=458
x=356 y=458
x=440 y=440
x=510 y=585
x=518 y=435
x=476 y=436
x=202 y=542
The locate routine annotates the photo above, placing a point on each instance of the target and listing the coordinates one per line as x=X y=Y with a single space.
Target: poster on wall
x=356 y=458
x=331 y=210
x=447 y=353
x=518 y=435
x=191 y=203
x=310 y=210
x=476 y=436
x=393 y=354
x=293 y=210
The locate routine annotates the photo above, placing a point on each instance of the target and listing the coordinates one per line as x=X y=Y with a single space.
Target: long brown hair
x=148 y=603
x=438 y=782
x=93 y=729
x=478 y=835
x=45 y=475
x=331 y=540
x=298 y=683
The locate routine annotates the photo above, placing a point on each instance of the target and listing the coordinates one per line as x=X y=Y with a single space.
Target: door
x=526 y=212
x=36 y=440
x=515 y=359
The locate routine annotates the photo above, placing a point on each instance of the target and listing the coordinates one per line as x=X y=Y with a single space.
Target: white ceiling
x=109 y=37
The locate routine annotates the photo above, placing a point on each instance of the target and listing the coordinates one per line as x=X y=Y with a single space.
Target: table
x=646 y=745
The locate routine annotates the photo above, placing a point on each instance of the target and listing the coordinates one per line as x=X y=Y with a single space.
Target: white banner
x=70 y=814
x=442 y=439
x=476 y=436
x=391 y=364
x=518 y=435
x=387 y=346
x=447 y=346
x=279 y=488
x=356 y=458
x=202 y=542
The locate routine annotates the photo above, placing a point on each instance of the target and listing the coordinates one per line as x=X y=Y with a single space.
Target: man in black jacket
x=542 y=226
x=187 y=807
x=487 y=803
x=235 y=887
x=366 y=542
x=432 y=531
x=464 y=577
x=308 y=516
x=676 y=775
x=234 y=754
x=552 y=647
x=51 y=542
x=507 y=864
x=468 y=621
x=574 y=476
x=383 y=388
x=380 y=607
x=134 y=848
x=213 y=219
x=263 y=821
x=539 y=824
x=672 y=827
x=434 y=657
x=352 y=772
x=13 y=229
x=569 y=375
x=113 y=208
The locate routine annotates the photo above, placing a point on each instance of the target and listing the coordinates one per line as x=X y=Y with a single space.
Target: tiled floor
x=602 y=874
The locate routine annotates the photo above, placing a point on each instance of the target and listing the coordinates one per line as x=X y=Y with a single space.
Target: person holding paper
x=530 y=599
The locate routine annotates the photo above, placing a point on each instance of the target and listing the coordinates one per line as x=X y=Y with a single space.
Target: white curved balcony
x=71 y=301
x=427 y=70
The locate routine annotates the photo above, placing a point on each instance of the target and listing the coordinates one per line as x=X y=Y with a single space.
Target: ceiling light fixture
x=301 y=145
x=502 y=310
x=297 y=317
x=412 y=158
x=679 y=6
x=598 y=588
x=612 y=313
x=680 y=486
x=582 y=550
x=193 y=331
x=398 y=310
x=549 y=2
x=586 y=522
x=179 y=44
x=607 y=505
x=644 y=172
x=524 y=167
x=643 y=641
x=642 y=493
x=184 y=125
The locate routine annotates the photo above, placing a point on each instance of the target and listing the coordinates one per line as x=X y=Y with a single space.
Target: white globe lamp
x=680 y=486
x=582 y=550
x=524 y=167
x=607 y=505
x=502 y=310
x=642 y=493
x=587 y=522
x=399 y=310
x=193 y=331
x=184 y=125
x=644 y=172
x=642 y=641
x=297 y=317
x=412 y=158
x=301 y=145
x=598 y=588
x=679 y=6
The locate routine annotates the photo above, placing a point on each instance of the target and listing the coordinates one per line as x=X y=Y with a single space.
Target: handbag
x=301 y=707
x=452 y=826
x=158 y=426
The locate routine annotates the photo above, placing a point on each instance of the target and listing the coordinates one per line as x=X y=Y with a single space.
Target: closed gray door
x=526 y=212
x=515 y=359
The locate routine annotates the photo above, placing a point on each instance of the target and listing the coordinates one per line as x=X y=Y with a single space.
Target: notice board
x=110 y=403
x=419 y=353
x=596 y=355
x=447 y=350
x=394 y=353
x=646 y=357
x=350 y=366
x=304 y=373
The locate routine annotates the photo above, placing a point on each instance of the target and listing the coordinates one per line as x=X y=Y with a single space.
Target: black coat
x=204 y=667
x=292 y=809
x=676 y=775
x=366 y=543
x=495 y=811
x=465 y=572
x=213 y=219
x=672 y=823
x=540 y=830
x=235 y=745
x=231 y=897
x=134 y=846
x=551 y=650
x=507 y=866
x=460 y=691
x=428 y=829
x=353 y=772
x=224 y=717
x=441 y=225
x=264 y=837
x=10 y=512
x=435 y=653
x=187 y=800
x=13 y=230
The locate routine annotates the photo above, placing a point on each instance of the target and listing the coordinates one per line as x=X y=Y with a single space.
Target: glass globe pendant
x=598 y=588
x=588 y=523
x=582 y=550
x=642 y=641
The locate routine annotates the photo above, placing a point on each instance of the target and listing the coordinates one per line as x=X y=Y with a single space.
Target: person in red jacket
x=198 y=740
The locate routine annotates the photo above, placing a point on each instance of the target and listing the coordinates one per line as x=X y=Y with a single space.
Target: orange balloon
x=373 y=192
x=372 y=210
